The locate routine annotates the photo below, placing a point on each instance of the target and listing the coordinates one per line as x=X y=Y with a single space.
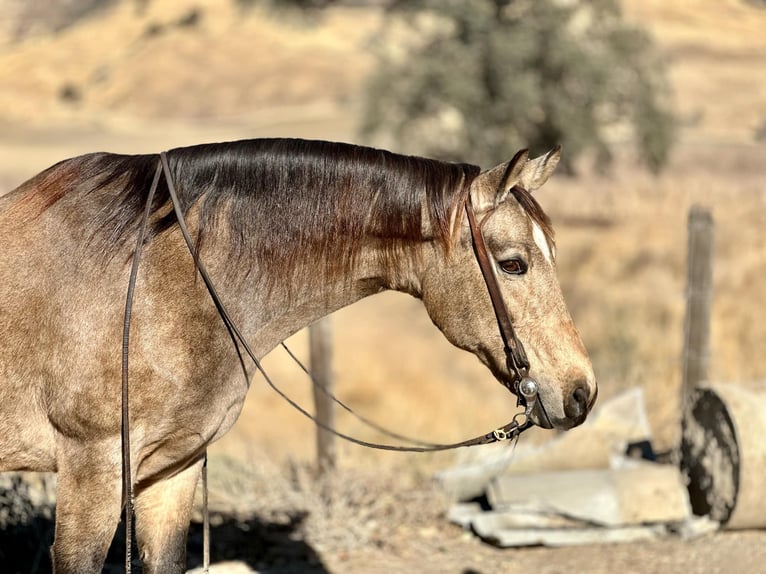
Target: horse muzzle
x=547 y=409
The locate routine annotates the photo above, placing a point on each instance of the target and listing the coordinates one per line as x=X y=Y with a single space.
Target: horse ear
x=498 y=182
x=537 y=171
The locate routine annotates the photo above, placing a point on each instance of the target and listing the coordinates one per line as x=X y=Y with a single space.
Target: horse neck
x=270 y=313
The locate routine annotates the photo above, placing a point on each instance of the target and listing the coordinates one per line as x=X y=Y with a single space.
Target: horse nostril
x=577 y=407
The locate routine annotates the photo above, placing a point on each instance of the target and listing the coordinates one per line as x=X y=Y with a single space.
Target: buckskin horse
x=290 y=230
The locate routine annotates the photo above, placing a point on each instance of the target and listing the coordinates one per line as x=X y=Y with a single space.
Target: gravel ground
x=452 y=551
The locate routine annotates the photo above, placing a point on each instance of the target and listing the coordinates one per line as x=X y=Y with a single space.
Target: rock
x=642 y=494
x=571 y=536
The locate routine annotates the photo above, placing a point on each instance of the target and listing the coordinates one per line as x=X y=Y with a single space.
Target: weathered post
x=320 y=358
x=699 y=288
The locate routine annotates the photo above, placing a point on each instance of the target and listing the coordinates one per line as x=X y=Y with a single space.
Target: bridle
x=520 y=384
x=515 y=357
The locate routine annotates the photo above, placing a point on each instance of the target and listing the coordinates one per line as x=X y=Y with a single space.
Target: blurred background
x=659 y=105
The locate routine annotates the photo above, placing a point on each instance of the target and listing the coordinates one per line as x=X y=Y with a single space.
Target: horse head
x=522 y=256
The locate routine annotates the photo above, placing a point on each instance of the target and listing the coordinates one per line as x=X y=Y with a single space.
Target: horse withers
x=290 y=230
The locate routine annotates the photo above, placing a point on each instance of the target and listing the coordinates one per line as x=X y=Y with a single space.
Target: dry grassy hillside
x=183 y=72
x=181 y=60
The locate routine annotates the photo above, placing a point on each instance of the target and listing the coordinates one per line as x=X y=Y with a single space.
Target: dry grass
x=123 y=65
x=351 y=509
x=715 y=50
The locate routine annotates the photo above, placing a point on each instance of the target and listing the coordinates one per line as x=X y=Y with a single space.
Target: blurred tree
x=479 y=80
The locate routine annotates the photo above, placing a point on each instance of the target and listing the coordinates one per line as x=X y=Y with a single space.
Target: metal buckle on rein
x=527 y=388
x=502 y=434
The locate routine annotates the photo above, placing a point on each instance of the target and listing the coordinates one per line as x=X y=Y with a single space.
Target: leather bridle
x=515 y=357
x=517 y=363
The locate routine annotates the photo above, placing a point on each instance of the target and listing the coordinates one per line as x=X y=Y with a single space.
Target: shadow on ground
x=268 y=548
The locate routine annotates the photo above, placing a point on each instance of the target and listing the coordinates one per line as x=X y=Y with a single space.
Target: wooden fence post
x=699 y=289
x=320 y=360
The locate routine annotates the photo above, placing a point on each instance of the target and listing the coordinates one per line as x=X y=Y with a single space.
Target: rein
x=518 y=365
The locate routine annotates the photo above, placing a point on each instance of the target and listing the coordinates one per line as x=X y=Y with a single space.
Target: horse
x=290 y=230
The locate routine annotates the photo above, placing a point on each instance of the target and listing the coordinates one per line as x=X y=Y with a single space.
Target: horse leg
x=163 y=511
x=88 y=502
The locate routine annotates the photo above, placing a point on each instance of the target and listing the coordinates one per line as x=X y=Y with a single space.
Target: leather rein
x=516 y=360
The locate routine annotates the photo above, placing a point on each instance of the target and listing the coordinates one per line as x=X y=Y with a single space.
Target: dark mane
x=284 y=201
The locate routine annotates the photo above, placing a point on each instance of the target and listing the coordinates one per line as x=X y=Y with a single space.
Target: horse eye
x=515 y=266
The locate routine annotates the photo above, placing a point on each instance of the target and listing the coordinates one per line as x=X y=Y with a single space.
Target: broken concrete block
x=642 y=494
x=571 y=536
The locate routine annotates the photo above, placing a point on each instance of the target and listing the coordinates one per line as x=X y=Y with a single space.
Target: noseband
x=523 y=386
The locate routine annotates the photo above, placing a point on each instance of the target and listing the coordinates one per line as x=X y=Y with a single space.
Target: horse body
x=291 y=231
